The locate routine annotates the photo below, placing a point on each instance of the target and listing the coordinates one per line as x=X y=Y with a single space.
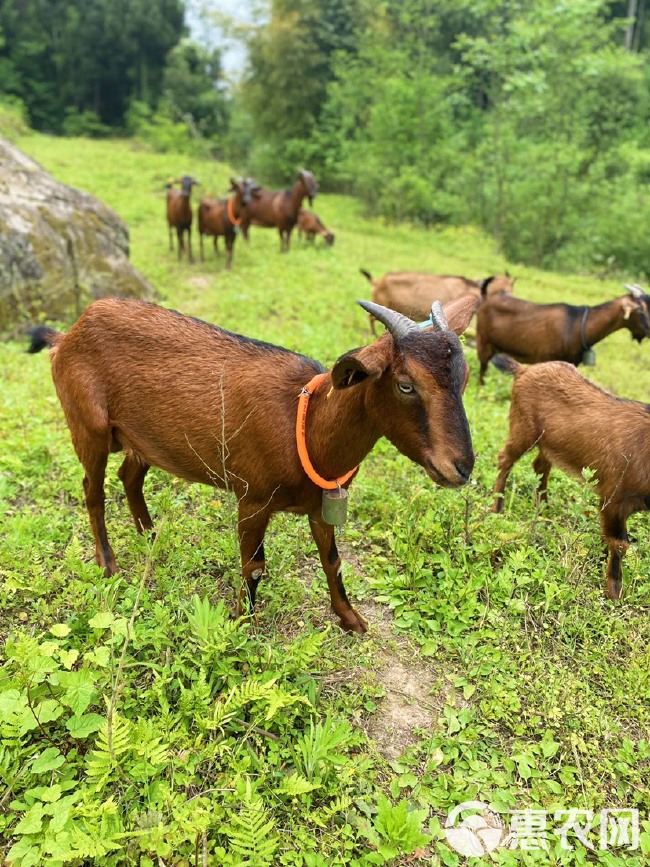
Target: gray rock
x=60 y=248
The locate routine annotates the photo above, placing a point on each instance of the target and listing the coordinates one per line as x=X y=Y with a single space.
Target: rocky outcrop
x=60 y=248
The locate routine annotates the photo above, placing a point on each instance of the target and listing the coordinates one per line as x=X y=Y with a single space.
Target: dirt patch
x=200 y=281
x=409 y=704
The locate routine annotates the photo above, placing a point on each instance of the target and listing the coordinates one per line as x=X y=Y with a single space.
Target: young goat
x=576 y=424
x=218 y=408
x=532 y=333
x=269 y=209
x=310 y=225
x=413 y=292
x=179 y=213
x=222 y=217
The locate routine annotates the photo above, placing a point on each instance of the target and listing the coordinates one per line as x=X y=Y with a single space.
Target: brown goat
x=279 y=209
x=532 y=333
x=575 y=424
x=310 y=225
x=179 y=213
x=217 y=408
x=222 y=217
x=413 y=292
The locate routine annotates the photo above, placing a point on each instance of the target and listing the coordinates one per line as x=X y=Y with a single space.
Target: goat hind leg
x=542 y=467
x=132 y=474
x=94 y=463
x=614 y=531
x=323 y=535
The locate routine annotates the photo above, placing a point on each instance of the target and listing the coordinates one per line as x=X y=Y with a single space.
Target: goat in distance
x=531 y=333
x=214 y=407
x=575 y=424
x=179 y=213
x=310 y=225
x=413 y=292
x=221 y=217
x=279 y=209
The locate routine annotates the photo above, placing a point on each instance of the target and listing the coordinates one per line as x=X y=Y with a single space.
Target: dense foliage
x=527 y=118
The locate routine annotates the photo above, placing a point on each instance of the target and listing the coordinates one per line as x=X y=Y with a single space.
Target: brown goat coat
x=179 y=216
x=271 y=209
x=532 y=333
x=413 y=292
x=310 y=224
x=217 y=408
x=576 y=424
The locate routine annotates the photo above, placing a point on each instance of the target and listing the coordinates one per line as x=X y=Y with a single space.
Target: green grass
x=234 y=745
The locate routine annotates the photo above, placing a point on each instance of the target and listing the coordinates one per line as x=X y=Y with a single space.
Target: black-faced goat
x=532 y=333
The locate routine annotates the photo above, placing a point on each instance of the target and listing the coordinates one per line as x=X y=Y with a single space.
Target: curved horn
x=635 y=290
x=398 y=325
x=438 y=319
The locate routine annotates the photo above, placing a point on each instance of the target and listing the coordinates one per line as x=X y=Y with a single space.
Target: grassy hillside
x=140 y=725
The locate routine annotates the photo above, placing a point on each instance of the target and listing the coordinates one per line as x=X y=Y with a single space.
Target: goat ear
x=459 y=312
x=349 y=370
x=629 y=306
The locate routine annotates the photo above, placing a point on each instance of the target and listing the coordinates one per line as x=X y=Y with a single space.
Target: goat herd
x=218 y=408
x=249 y=204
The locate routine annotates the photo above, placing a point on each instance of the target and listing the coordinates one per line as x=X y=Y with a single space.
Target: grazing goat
x=179 y=213
x=310 y=225
x=279 y=209
x=218 y=408
x=532 y=333
x=413 y=292
x=222 y=217
x=576 y=424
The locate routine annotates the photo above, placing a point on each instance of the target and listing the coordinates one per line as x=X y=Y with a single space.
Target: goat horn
x=398 y=325
x=438 y=319
x=635 y=290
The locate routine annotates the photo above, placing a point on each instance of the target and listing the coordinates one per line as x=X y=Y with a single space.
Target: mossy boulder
x=60 y=248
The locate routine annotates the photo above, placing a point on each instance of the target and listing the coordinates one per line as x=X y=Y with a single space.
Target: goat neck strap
x=585 y=345
x=301 y=421
x=230 y=210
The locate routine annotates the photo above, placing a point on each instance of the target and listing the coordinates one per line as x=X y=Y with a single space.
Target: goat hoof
x=352 y=621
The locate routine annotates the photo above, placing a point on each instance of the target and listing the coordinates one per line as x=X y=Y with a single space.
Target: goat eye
x=406 y=387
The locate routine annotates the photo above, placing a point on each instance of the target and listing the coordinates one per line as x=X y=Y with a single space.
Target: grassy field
x=140 y=725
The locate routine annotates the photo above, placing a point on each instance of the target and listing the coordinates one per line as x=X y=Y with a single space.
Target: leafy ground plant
x=140 y=724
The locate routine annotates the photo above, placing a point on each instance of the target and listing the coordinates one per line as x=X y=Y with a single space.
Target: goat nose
x=464 y=470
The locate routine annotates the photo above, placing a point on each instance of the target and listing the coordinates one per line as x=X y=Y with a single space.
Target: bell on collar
x=589 y=357
x=335 y=506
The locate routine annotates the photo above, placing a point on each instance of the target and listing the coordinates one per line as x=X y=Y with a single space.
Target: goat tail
x=366 y=274
x=484 y=286
x=42 y=337
x=507 y=365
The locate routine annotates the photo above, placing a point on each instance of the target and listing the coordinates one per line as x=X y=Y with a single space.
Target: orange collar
x=301 y=420
x=231 y=213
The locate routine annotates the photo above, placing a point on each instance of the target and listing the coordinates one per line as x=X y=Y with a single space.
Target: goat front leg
x=132 y=474
x=251 y=528
x=323 y=535
x=230 y=243
x=171 y=237
x=201 y=246
x=181 y=242
x=190 y=257
x=614 y=530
